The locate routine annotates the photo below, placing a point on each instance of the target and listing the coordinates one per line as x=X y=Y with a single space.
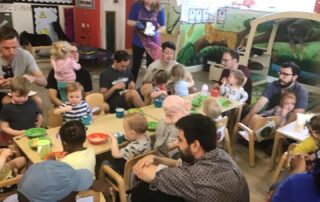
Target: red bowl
x=97 y=138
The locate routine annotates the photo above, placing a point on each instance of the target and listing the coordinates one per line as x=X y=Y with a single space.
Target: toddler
x=212 y=109
x=178 y=74
x=73 y=136
x=64 y=65
x=232 y=87
x=174 y=107
x=21 y=114
x=160 y=80
x=9 y=167
x=135 y=127
x=75 y=108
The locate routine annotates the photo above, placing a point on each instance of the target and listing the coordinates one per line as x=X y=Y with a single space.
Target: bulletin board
x=5 y=19
x=67 y=2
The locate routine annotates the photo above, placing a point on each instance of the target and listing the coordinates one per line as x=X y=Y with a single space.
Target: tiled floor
x=257 y=177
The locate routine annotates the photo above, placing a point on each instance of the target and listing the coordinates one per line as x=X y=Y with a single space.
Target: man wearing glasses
x=230 y=61
x=287 y=81
x=15 y=61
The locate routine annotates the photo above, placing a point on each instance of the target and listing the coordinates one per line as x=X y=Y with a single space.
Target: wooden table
x=288 y=131
x=102 y=124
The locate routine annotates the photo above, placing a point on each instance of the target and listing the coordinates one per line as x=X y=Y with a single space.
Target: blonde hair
x=212 y=108
x=178 y=72
x=239 y=76
x=136 y=122
x=75 y=86
x=60 y=49
x=287 y=95
x=21 y=85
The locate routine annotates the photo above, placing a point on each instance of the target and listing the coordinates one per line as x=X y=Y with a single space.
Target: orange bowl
x=57 y=155
x=97 y=138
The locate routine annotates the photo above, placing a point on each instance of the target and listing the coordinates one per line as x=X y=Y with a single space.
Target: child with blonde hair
x=212 y=109
x=232 y=87
x=21 y=114
x=178 y=75
x=135 y=127
x=75 y=108
x=64 y=65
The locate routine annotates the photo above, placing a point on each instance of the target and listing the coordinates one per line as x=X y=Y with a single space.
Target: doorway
x=111 y=30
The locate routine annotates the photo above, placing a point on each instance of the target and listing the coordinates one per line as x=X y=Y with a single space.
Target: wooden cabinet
x=87 y=25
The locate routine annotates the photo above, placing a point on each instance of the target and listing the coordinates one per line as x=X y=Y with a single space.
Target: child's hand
x=163 y=92
x=112 y=137
x=284 y=111
x=39 y=120
x=6 y=153
x=67 y=108
x=119 y=86
x=224 y=81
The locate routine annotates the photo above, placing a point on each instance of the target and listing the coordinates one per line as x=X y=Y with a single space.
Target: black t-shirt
x=20 y=116
x=82 y=76
x=110 y=77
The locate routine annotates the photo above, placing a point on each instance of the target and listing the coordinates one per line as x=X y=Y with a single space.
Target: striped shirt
x=77 y=112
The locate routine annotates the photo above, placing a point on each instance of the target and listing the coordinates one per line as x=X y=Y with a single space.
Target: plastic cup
x=158 y=103
x=301 y=120
x=119 y=113
x=120 y=137
x=214 y=92
x=44 y=148
x=86 y=120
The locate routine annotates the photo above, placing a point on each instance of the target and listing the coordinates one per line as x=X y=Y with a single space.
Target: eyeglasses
x=284 y=74
x=8 y=71
x=225 y=60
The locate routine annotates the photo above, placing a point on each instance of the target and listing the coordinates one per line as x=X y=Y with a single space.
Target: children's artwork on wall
x=6 y=1
x=5 y=19
x=43 y=17
x=67 y=2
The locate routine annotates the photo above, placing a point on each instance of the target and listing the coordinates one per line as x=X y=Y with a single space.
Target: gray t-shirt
x=23 y=63
x=156 y=65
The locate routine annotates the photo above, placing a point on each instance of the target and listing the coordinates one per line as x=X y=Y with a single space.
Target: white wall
x=120 y=9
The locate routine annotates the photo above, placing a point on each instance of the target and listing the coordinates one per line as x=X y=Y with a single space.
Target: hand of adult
x=6 y=153
x=139 y=25
x=39 y=121
x=144 y=162
x=131 y=85
x=119 y=86
x=4 y=82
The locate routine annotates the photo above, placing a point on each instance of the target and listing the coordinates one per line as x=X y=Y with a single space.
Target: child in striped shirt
x=75 y=108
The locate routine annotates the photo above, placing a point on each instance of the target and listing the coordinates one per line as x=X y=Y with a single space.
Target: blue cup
x=158 y=103
x=120 y=137
x=119 y=113
x=86 y=120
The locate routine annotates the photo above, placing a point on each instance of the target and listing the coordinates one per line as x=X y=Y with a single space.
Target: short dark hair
x=168 y=44
x=294 y=67
x=161 y=76
x=234 y=54
x=201 y=128
x=121 y=55
x=73 y=133
x=8 y=33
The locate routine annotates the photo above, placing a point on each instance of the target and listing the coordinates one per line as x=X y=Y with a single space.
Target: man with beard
x=204 y=173
x=287 y=81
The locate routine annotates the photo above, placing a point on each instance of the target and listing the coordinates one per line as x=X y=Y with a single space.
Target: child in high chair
x=212 y=109
x=8 y=166
x=232 y=87
x=178 y=75
x=21 y=114
x=73 y=137
x=135 y=126
x=75 y=108
x=160 y=79
x=64 y=65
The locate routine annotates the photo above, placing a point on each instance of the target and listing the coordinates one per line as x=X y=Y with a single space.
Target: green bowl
x=224 y=102
x=152 y=125
x=33 y=142
x=196 y=102
x=133 y=110
x=35 y=132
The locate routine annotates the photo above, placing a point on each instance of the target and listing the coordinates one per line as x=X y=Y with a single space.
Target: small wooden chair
x=283 y=163
x=258 y=123
x=96 y=101
x=122 y=184
x=9 y=182
x=227 y=142
x=53 y=120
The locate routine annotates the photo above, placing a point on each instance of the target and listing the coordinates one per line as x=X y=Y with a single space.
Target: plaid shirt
x=214 y=177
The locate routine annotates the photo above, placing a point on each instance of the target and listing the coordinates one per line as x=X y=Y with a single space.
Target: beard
x=283 y=84
x=186 y=155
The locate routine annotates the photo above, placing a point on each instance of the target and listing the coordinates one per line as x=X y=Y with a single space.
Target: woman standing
x=143 y=11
